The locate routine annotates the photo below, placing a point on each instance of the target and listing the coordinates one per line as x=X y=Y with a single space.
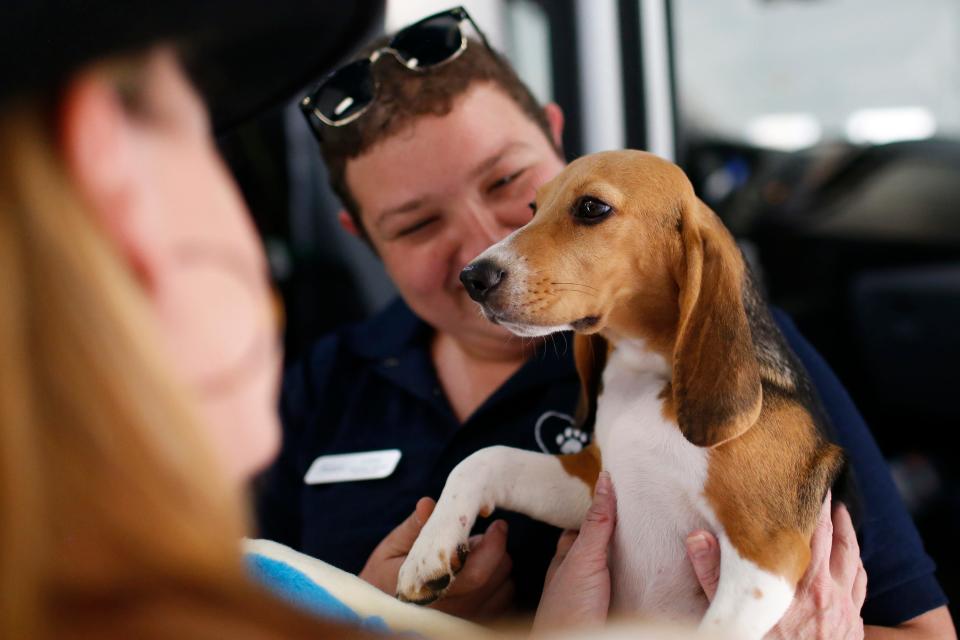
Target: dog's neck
x=636 y=354
x=649 y=312
x=644 y=324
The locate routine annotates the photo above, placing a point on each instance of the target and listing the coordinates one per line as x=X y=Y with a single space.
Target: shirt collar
x=398 y=340
x=388 y=333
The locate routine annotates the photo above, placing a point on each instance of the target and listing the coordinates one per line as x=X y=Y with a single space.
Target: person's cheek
x=516 y=213
x=208 y=315
x=519 y=212
x=418 y=272
x=545 y=171
x=512 y=210
x=243 y=422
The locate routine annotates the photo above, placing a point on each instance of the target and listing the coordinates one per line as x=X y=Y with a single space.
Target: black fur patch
x=792 y=381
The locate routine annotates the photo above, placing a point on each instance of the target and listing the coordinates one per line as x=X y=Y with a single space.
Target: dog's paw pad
x=421 y=602
x=438 y=584
x=425 y=577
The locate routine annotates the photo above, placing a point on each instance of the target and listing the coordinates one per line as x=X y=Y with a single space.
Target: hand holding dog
x=577 y=587
x=831 y=594
x=483 y=588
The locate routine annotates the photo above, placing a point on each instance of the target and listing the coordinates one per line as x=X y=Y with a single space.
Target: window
x=789 y=74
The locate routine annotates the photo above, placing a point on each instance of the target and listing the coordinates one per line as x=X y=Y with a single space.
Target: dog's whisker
x=577 y=284
x=586 y=293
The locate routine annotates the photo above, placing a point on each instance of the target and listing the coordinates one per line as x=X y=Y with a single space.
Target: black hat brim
x=263 y=66
x=243 y=55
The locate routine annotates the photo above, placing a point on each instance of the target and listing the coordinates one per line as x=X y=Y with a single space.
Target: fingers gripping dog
x=700 y=412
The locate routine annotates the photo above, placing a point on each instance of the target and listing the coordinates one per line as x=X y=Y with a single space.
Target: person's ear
x=98 y=145
x=555 y=119
x=347 y=223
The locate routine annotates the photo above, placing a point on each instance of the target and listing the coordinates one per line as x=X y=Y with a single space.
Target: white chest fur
x=659 y=478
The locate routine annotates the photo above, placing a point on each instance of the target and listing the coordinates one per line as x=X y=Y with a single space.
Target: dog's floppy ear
x=590 y=354
x=716 y=377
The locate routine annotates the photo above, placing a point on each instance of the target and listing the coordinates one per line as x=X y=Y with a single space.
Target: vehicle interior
x=826 y=135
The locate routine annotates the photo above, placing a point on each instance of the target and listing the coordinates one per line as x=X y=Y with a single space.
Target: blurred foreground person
x=140 y=359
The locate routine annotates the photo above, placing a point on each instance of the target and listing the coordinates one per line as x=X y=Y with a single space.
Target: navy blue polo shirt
x=373 y=386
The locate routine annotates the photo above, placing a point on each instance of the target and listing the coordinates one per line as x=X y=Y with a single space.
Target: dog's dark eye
x=591 y=210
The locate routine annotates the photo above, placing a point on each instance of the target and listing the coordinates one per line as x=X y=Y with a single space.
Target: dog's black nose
x=481 y=277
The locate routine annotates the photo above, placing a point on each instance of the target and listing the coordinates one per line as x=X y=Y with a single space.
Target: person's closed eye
x=501 y=183
x=417 y=228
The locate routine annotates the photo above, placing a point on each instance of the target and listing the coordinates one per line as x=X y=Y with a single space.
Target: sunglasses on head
x=345 y=94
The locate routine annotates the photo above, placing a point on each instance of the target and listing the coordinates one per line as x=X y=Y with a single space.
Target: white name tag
x=345 y=467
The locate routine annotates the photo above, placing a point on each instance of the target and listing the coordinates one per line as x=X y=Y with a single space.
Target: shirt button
x=391 y=362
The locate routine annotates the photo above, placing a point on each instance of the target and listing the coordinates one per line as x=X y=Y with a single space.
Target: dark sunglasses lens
x=349 y=90
x=429 y=42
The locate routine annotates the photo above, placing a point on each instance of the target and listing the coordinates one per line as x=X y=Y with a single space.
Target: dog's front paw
x=433 y=562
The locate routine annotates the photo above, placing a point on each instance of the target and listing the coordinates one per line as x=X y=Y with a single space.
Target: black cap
x=243 y=55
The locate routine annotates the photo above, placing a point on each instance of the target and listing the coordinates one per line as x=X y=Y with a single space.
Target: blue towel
x=295 y=587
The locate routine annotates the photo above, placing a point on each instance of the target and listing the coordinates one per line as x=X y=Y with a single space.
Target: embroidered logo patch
x=556 y=434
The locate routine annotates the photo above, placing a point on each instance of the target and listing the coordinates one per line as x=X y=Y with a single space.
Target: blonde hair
x=115 y=519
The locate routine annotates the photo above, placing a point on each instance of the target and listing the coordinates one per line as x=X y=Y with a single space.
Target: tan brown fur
x=754 y=485
x=585 y=465
x=663 y=269
x=716 y=379
x=574 y=273
x=590 y=353
x=669 y=408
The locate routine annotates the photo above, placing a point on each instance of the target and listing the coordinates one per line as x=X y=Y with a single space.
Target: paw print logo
x=556 y=433
x=572 y=440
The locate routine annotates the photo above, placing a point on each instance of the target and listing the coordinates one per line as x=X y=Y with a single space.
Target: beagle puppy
x=700 y=411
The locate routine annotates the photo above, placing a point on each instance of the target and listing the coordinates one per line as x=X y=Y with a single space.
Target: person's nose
x=483 y=224
x=479 y=228
x=481 y=278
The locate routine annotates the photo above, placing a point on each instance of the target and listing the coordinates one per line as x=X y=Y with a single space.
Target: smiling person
x=436 y=150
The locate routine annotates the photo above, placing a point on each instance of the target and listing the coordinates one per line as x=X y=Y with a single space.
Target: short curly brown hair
x=404 y=95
